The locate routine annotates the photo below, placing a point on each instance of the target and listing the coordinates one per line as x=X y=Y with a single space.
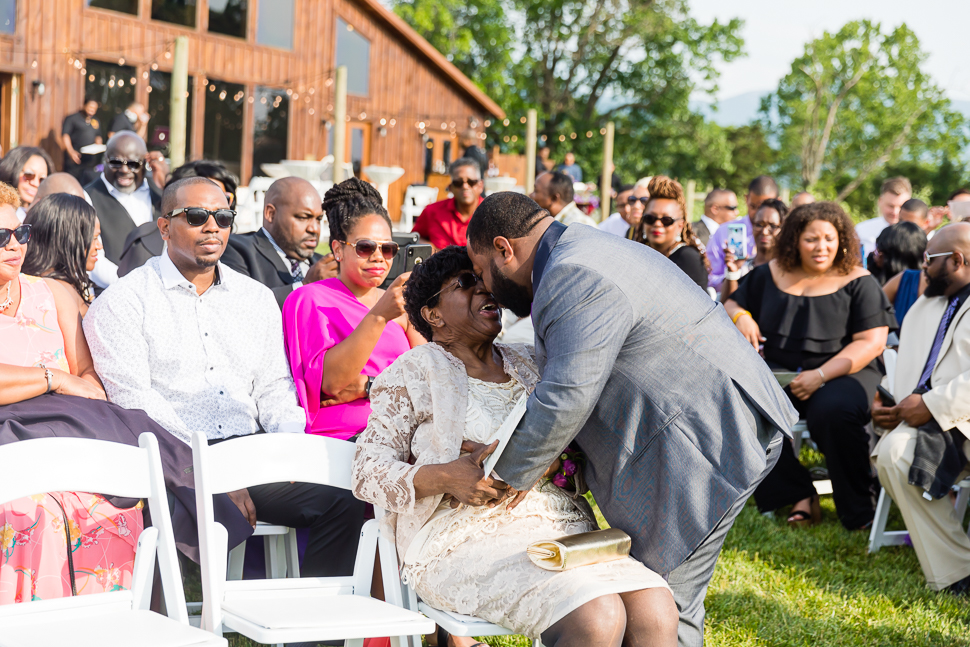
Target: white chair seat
x=118 y=629
x=461 y=625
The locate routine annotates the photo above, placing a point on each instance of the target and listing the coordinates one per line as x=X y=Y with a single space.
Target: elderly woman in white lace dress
x=461 y=536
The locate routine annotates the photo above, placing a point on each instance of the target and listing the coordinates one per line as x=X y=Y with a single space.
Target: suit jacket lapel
x=543 y=251
x=948 y=338
x=266 y=249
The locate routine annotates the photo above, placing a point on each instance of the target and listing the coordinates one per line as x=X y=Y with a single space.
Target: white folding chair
x=416 y=198
x=120 y=617
x=288 y=610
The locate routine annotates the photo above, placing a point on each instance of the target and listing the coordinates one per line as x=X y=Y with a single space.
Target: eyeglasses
x=769 y=226
x=365 y=248
x=666 y=221
x=30 y=176
x=132 y=165
x=927 y=258
x=726 y=206
x=21 y=233
x=633 y=200
x=466 y=281
x=461 y=182
x=197 y=216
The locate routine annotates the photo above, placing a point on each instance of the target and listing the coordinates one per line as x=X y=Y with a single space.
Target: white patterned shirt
x=212 y=362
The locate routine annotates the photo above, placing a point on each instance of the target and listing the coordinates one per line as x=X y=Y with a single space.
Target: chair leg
x=879 y=522
x=292 y=554
x=237 y=556
x=354 y=642
x=272 y=556
x=963 y=496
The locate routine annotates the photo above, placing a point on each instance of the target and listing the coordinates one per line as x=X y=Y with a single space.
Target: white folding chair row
x=119 y=618
x=879 y=536
x=288 y=610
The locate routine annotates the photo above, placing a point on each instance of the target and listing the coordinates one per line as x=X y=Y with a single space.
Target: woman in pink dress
x=342 y=332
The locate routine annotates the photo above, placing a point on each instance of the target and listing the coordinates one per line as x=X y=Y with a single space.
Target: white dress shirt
x=212 y=362
x=571 y=214
x=711 y=224
x=615 y=225
x=868 y=231
x=287 y=261
x=138 y=203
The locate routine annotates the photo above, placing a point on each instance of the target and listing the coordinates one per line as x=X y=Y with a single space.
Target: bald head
x=293 y=214
x=125 y=164
x=289 y=189
x=949 y=272
x=58 y=183
x=802 y=198
x=955 y=237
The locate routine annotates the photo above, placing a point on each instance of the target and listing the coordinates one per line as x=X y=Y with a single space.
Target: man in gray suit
x=678 y=417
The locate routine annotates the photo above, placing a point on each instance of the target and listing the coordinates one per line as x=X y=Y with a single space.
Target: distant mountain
x=736 y=111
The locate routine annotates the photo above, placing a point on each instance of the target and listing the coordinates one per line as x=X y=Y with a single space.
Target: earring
x=679 y=238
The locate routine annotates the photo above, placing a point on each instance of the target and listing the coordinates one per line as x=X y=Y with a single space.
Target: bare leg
x=598 y=623
x=651 y=618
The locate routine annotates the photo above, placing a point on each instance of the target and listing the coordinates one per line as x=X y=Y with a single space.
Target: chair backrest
x=71 y=464
x=889 y=359
x=420 y=196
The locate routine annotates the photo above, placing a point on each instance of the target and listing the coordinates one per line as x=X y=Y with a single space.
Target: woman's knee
x=599 y=622
x=652 y=617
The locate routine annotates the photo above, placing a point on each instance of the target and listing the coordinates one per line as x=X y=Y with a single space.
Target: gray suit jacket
x=655 y=384
x=701 y=231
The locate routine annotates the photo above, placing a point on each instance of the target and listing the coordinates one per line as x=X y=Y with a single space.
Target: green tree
x=855 y=101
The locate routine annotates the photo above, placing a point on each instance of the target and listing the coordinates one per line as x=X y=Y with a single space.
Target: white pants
x=941 y=544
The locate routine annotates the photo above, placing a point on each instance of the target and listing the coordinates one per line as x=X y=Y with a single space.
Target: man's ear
x=269 y=211
x=163 y=227
x=432 y=317
x=504 y=247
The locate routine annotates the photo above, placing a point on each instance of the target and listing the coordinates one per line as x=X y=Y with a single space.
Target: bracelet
x=822 y=375
x=737 y=315
x=49 y=374
x=732 y=276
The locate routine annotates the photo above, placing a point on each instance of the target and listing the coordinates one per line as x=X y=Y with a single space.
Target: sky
x=776 y=31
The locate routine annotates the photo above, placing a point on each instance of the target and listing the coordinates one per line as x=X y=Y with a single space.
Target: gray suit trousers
x=690 y=580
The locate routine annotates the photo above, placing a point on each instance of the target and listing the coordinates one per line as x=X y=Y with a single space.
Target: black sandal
x=805 y=519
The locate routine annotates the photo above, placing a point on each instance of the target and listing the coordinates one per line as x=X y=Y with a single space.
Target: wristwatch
x=370 y=381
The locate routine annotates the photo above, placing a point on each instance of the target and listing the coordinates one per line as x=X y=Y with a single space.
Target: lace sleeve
x=381 y=472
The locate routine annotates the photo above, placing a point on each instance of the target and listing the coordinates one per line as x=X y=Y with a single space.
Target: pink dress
x=33 y=541
x=316 y=318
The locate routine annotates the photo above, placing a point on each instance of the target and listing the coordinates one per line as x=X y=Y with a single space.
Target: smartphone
x=885 y=396
x=415 y=255
x=737 y=240
x=407 y=257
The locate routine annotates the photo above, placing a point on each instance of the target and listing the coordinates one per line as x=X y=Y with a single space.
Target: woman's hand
x=749 y=328
x=805 y=384
x=730 y=260
x=356 y=390
x=391 y=304
x=67 y=384
x=466 y=481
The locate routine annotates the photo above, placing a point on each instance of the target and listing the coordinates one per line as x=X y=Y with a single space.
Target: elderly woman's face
x=468 y=310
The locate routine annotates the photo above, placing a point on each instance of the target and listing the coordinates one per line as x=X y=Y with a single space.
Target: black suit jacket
x=701 y=231
x=143 y=242
x=253 y=255
x=116 y=224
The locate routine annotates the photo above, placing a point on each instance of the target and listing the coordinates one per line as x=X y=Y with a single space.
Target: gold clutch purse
x=583 y=549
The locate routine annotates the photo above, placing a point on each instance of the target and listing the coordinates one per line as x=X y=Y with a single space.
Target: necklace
x=6 y=303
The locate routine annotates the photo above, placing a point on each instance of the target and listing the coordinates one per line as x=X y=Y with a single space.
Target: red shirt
x=441 y=224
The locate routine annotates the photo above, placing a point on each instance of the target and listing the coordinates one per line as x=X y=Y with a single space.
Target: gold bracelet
x=737 y=316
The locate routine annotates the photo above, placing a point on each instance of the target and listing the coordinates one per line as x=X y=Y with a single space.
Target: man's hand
x=159 y=167
x=75 y=156
x=467 y=481
x=913 y=411
x=885 y=417
x=245 y=504
x=356 y=390
x=325 y=268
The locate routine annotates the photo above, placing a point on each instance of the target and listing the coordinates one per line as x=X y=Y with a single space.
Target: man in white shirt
x=720 y=206
x=630 y=202
x=199 y=347
x=892 y=195
x=554 y=192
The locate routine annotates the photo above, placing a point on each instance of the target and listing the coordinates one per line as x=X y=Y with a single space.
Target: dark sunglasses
x=28 y=176
x=633 y=200
x=770 y=226
x=460 y=182
x=365 y=248
x=21 y=233
x=197 y=216
x=133 y=165
x=727 y=206
x=466 y=281
x=666 y=221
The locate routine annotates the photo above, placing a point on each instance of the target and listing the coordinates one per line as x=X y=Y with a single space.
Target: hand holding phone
x=885 y=396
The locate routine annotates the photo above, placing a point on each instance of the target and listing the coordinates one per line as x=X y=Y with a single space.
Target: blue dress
x=907 y=294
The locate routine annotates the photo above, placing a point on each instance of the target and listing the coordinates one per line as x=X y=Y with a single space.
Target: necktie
x=296 y=271
x=924 y=379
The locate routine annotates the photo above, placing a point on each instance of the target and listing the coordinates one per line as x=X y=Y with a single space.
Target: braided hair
x=662 y=187
x=347 y=203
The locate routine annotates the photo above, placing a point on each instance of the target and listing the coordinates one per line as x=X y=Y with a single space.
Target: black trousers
x=837 y=415
x=333 y=516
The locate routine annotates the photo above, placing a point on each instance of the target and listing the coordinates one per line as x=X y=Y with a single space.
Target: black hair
x=917 y=206
x=60 y=240
x=777 y=205
x=170 y=196
x=902 y=246
x=562 y=185
x=958 y=192
x=346 y=203
x=207 y=169
x=13 y=162
x=763 y=185
x=427 y=279
x=625 y=188
x=507 y=214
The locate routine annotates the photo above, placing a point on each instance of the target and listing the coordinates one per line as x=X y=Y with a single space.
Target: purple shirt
x=316 y=318
x=715 y=250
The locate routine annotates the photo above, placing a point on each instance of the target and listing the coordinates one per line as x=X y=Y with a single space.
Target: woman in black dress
x=664 y=228
x=818 y=312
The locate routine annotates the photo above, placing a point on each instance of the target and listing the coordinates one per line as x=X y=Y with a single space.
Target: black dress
x=802 y=333
x=688 y=258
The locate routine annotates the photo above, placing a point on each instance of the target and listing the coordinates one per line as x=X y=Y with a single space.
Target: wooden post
x=339 y=124
x=179 y=102
x=530 y=150
x=606 y=183
x=691 y=196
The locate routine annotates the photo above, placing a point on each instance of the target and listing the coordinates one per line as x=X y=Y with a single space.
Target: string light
x=505 y=122
x=602 y=131
x=522 y=120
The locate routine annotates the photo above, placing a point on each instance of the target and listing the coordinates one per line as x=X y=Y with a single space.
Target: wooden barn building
x=261 y=79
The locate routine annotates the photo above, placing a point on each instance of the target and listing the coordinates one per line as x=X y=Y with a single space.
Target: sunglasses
x=132 y=165
x=29 y=176
x=771 y=227
x=466 y=281
x=461 y=182
x=727 y=206
x=197 y=216
x=666 y=221
x=633 y=200
x=927 y=258
x=365 y=248
x=21 y=233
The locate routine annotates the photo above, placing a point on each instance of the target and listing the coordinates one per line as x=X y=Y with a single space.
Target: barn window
x=223 y=136
x=159 y=109
x=228 y=17
x=180 y=12
x=275 y=25
x=271 y=111
x=8 y=16
x=353 y=50
x=124 y=6
x=111 y=86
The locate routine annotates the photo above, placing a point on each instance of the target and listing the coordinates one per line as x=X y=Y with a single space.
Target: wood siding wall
x=404 y=84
